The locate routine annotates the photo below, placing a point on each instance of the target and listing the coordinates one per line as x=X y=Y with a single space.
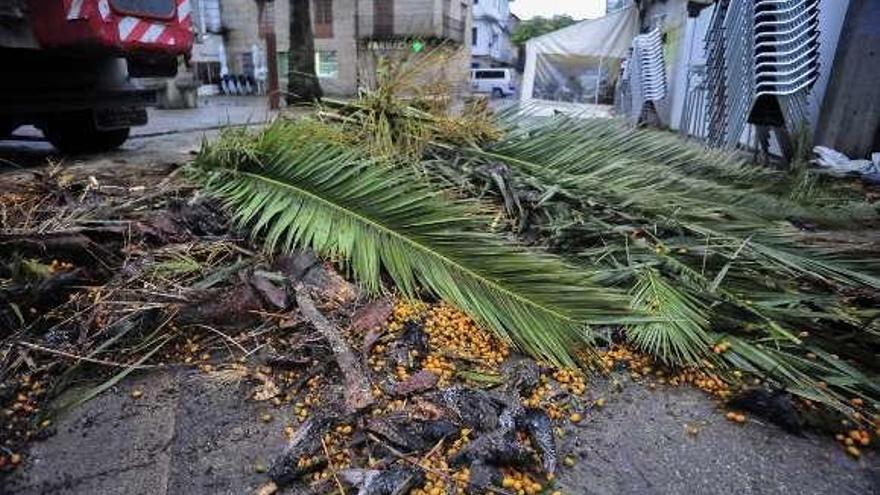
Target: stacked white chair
x=648 y=52
x=643 y=78
x=762 y=61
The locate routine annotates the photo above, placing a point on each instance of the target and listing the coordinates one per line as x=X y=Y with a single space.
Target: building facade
x=209 y=48
x=348 y=34
x=490 y=34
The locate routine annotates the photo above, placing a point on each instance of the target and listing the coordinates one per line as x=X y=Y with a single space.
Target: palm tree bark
x=302 y=81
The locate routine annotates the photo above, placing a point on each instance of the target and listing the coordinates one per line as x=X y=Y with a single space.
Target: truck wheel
x=497 y=92
x=78 y=134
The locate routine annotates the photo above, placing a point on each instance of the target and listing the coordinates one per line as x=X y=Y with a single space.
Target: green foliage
x=295 y=191
x=396 y=116
x=709 y=247
x=823 y=377
x=536 y=26
x=702 y=195
x=679 y=334
x=707 y=242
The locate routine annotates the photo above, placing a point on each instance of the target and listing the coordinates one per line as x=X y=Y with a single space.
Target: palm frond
x=679 y=335
x=822 y=378
x=708 y=243
x=580 y=160
x=298 y=192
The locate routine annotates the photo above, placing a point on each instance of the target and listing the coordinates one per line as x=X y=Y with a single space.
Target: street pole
x=272 y=65
x=267 y=29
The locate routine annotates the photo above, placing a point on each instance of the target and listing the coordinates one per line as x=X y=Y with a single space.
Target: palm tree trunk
x=302 y=81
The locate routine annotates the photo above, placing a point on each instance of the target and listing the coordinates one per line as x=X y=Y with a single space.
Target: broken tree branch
x=358 y=394
x=75 y=357
x=330 y=465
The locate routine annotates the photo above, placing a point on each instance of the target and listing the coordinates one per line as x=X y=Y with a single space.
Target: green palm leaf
x=707 y=242
x=297 y=191
x=825 y=378
x=658 y=179
x=679 y=334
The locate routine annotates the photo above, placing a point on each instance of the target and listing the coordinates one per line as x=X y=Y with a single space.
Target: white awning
x=579 y=63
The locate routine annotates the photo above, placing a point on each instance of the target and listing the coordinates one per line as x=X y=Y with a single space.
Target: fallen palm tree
x=724 y=265
x=707 y=261
x=377 y=221
x=706 y=253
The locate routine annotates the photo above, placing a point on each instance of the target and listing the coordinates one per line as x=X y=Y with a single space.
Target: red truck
x=68 y=65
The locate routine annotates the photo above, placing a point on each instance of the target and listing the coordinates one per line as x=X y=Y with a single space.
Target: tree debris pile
x=453 y=411
x=561 y=235
x=447 y=405
x=108 y=272
x=692 y=256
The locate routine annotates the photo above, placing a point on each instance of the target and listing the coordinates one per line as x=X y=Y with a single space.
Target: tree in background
x=612 y=6
x=536 y=26
x=302 y=81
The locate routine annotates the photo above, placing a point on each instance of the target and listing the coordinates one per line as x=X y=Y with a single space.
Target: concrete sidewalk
x=187 y=434
x=213 y=111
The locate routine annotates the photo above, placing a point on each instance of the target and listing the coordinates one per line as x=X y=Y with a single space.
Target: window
x=323 y=18
x=283 y=64
x=247 y=64
x=383 y=18
x=490 y=74
x=207 y=72
x=474 y=36
x=326 y=64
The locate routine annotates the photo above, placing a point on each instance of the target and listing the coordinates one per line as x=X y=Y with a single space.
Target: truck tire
x=78 y=134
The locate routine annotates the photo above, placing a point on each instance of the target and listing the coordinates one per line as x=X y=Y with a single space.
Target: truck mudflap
x=113 y=25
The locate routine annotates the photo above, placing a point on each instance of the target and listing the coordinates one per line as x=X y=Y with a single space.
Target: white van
x=499 y=82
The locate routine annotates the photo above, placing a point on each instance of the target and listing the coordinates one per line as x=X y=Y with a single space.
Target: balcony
x=427 y=25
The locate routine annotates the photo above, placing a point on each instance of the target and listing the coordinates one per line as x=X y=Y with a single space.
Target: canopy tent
x=579 y=63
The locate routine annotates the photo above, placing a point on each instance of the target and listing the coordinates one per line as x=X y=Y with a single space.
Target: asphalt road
x=169 y=137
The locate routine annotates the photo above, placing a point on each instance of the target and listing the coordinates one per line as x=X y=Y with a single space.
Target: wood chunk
x=358 y=393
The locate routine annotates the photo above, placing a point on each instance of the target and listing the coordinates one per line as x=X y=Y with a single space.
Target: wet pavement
x=194 y=433
x=640 y=443
x=169 y=136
